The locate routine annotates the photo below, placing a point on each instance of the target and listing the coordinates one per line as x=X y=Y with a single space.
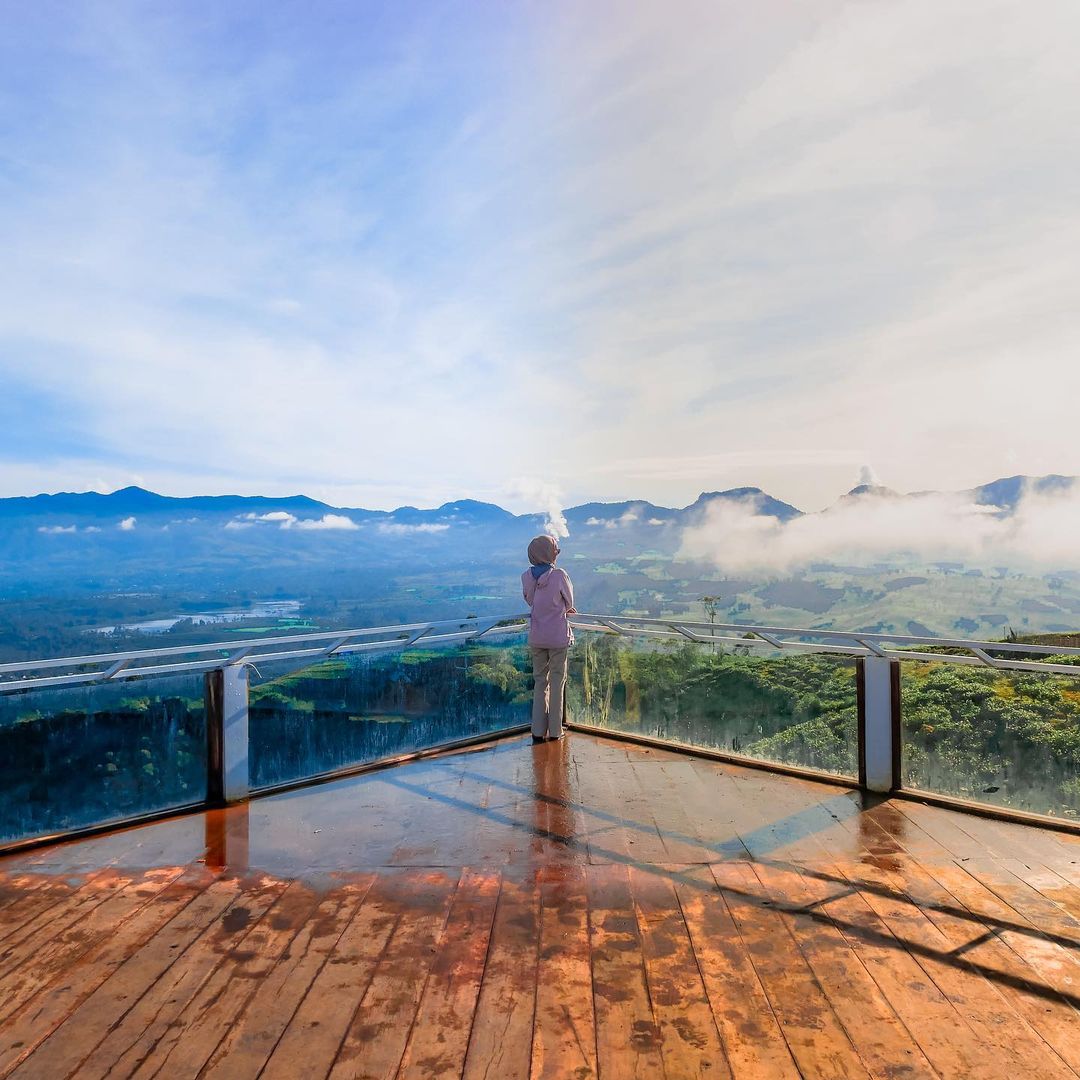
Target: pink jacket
x=550 y=598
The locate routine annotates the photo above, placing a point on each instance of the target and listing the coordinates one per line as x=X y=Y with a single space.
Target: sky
x=388 y=254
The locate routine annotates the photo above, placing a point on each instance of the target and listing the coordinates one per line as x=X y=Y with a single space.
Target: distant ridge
x=134 y=501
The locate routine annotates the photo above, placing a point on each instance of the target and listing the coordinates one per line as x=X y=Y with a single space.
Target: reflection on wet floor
x=577 y=908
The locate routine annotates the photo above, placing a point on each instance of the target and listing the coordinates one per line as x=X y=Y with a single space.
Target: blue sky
x=389 y=253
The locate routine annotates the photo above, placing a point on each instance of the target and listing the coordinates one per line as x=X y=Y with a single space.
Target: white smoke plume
x=546 y=496
x=868 y=478
x=1043 y=533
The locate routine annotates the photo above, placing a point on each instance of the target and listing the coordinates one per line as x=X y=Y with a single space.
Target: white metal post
x=227 y=734
x=880 y=724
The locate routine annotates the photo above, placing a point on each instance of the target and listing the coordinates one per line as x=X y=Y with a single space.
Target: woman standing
x=550 y=595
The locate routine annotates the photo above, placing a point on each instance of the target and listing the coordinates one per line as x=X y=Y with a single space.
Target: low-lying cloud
x=327 y=521
x=1041 y=534
x=284 y=520
x=395 y=528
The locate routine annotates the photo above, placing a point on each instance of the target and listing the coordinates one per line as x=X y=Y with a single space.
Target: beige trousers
x=549 y=691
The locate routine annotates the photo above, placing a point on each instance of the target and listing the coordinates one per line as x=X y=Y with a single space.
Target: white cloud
x=127 y=524
x=1039 y=535
x=56 y=530
x=284 y=520
x=394 y=528
x=327 y=521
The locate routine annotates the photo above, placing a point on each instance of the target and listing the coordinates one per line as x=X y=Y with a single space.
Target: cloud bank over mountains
x=1040 y=532
x=1021 y=523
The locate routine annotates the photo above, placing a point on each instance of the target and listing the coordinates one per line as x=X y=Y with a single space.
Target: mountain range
x=73 y=562
x=128 y=502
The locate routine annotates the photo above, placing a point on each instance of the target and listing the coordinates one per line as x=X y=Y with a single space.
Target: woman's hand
x=571 y=611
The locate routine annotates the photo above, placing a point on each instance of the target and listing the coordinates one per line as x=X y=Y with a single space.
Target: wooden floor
x=577 y=909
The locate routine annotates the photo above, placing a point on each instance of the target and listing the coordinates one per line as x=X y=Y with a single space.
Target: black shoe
x=538 y=738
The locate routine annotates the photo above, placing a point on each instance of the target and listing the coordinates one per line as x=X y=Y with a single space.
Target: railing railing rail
x=839 y=642
x=225 y=666
x=110 y=667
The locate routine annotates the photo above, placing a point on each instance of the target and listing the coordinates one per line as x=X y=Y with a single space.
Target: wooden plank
x=132 y=1039
x=26 y=895
x=945 y=828
x=606 y=833
x=64 y=1029
x=1056 y=965
x=1029 y=902
x=564 y=1033
x=46 y=959
x=637 y=810
x=665 y=785
x=882 y=1041
x=943 y=1034
x=1048 y=1014
x=557 y=822
x=375 y=1040
x=753 y=1043
x=440 y=1035
x=51 y=915
x=703 y=803
x=814 y=1034
x=995 y=1023
x=501 y=1039
x=244 y=1051
x=627 y=1033
x=749 y=814
x=185 y=1048
x=1048 y=882
x=689 y=1037
x=310 y=1042
x=886 y=819
x=1053 y=1018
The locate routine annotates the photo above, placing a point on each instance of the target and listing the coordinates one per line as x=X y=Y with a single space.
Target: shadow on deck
x=575 y=909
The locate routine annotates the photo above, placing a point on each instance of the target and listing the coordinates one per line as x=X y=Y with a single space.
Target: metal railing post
x=226 y=693
x=879 y=723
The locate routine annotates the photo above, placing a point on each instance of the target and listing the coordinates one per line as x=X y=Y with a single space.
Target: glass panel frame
x=362 y=708
x=100 y=754
x=799 y=710
x=1004 y=738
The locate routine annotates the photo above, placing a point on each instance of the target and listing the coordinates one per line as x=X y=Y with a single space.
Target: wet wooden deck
x=589 y=908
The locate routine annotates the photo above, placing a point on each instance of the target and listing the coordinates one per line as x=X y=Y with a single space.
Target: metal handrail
x=133 y=664
x=111 y=667
x=837 y=642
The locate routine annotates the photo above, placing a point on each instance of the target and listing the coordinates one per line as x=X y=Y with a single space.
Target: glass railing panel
x=91 y=755
x=1007 y=738
x=793 y=709
x=365 y=707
